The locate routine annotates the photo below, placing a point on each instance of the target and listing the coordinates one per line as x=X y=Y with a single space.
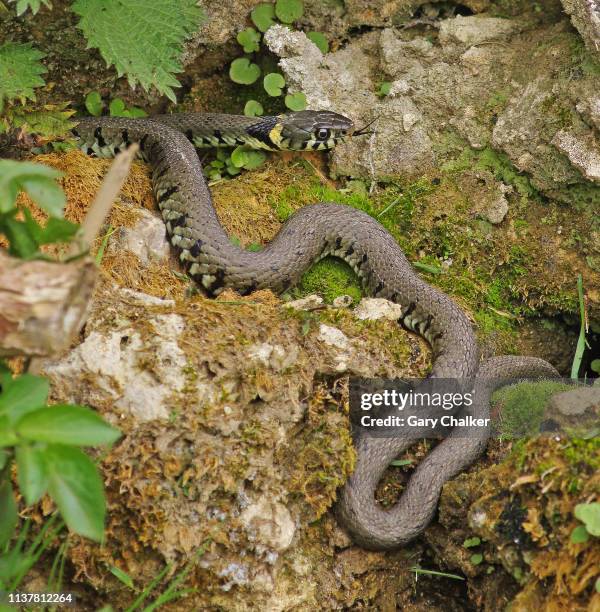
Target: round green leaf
x=65 y=424
x=319 y=40
x=76 y=487
x=263 y=16
x=239 y=156
x=579 y=535
x=288 y=11
x=384 y=89
x=274 y=83
x=296 y=102
x=253 y=109
x=589 y=515
x=476 y=559
x=242 y=157
x=595 y=366
x=116 y=107
x=243 y=72
x=94 y=104
x=254 y=160
x=249 y=39
x=471 y=542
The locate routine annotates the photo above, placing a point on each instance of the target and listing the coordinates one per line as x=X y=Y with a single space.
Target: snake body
x=312 y=233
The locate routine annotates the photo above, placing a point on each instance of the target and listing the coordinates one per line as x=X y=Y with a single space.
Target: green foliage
x=472 y=542
x=581 y=341
x=384 y=89
x=253 y=109
x=595 y=366
x=589 y=515
x=288 y=11
x=51 y=121
x=34 y=5
x=244 y=72
x=579 y=535
x=95 y=105
x=329 y=278
x=263 y=16
x=43 y=441
x=142 y=38
x=243 y=157
x=319 y=40
x=401 y=462
x=295 y=101
x=476 y=559
x=37 y=180
x=249 y=39
x=20 y=71
x=274 y=84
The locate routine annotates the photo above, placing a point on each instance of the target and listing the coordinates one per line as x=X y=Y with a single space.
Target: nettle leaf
x=253 y=109
x=274 y=84
x=249 y=39
x=65 y=424
x=288 y=11
x=319 y=40
x=34 y=5
x=76 y=487
x=243 y=72
x=296 y=102
x=15 y=176
x=263 y=16
x=20 y=71
x=51 y=121
x=143 y=39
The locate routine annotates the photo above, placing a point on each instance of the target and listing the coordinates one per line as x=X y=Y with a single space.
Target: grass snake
x=168 y=143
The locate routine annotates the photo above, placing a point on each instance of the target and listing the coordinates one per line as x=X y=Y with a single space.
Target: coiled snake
x=310 y=234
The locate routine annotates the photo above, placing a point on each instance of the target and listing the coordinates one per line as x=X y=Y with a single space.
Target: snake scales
x=312 y=233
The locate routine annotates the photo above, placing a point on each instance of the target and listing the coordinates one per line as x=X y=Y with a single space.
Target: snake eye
x=322 y=134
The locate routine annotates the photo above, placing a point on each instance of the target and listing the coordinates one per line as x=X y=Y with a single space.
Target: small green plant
x=472 y=542
x=20 y=72
x=249 y=39
x=244 y=72
x=320 y=40
x=384 y=89
x=116 y=108
x=253 y=109
x=274 y=84
x=589 y=515
x=581 y=341
x=230 y=164
x=34 y=5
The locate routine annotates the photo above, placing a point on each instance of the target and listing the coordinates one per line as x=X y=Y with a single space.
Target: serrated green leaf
x=22 y=395
x=243 y=72
x=143 y=39
x=274 y=84
x=263 y=16
x=20 y=71
x=249 y=39
x=31 y=472
x=52 y=121
x=295 y=102
x=319 y=40
x=94 y=104
x=8 y=515
x=253 y=109
x=65 y=424
x=288 y=11
x=76 y=487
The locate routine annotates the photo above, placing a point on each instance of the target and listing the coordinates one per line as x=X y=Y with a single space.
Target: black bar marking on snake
x=262 y=129
x=338 y=243
x=349 y=250
x=168 y=193
x=143 y=142
x=179 y=222
x=219 y=280
x=427 y=323
x=437 y=337
x=219 y=136
x=125 y=136
x=75 y=133
x=364 y=258
x=189 y=134
x=379 y=288
x=196 y=248
x=409 y=310
x=249 y=289
x=90 y=152
x=98 y=136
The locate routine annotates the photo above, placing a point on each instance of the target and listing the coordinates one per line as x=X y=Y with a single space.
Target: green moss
x=329 y=278
x=523 y=406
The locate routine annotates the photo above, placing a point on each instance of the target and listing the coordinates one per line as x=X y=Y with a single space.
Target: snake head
x=310 y=130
